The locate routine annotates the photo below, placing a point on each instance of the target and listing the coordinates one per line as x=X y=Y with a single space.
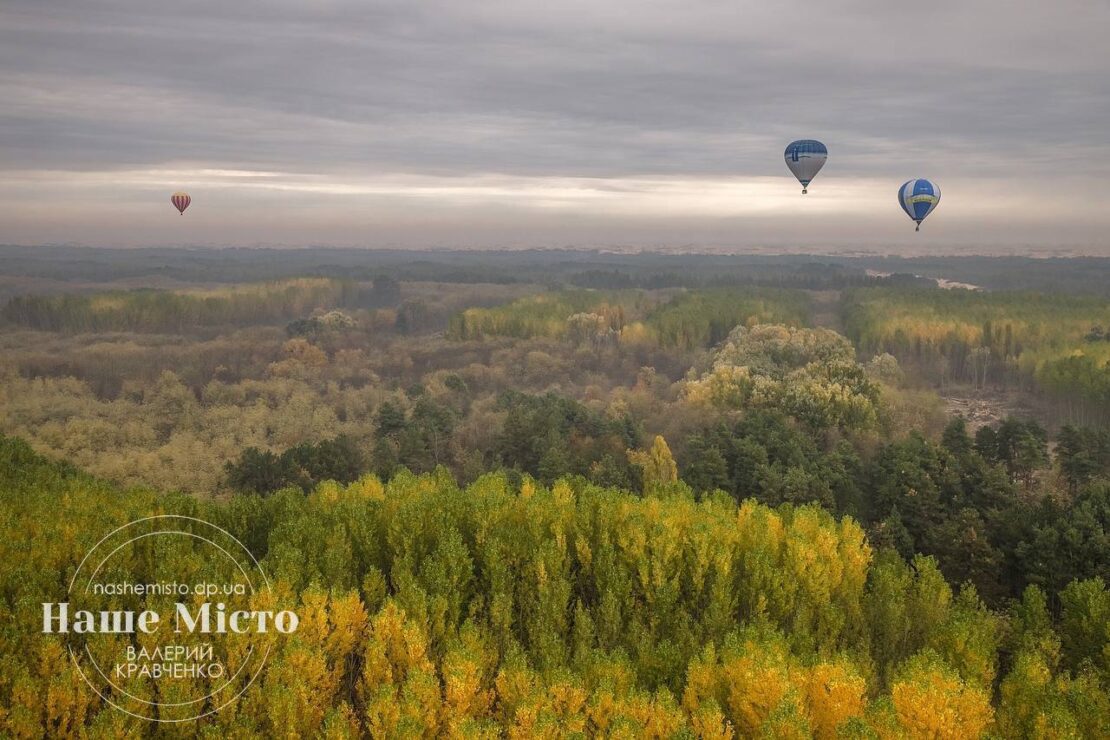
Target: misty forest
x=566 y=494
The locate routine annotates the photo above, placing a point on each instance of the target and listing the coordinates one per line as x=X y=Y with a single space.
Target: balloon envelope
x=805 y=158
x=918 y=198
x=180 y=201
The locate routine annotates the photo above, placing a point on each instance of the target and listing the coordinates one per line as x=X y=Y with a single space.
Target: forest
x=584 y=500
x=525 y=610
x=1055 y=343
x=685 y=320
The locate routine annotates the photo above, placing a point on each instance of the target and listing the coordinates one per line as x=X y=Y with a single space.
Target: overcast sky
x=610 y=123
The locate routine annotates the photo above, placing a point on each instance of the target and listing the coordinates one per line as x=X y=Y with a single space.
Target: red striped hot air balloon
x=181 y=201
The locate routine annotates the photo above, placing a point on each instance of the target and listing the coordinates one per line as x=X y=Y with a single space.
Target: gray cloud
x=975 y=94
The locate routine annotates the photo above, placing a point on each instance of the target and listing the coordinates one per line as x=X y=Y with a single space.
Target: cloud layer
x=469 y=123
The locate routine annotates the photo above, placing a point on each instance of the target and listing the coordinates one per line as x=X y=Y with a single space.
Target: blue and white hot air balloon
x=805 y=158
x=918 y=199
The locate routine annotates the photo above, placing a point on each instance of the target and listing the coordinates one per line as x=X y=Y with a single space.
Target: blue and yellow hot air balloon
x=805 y=158
x=918 y=198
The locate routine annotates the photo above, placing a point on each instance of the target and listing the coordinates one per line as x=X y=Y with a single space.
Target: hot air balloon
x=180 y=201
x=918 y=198
x=805 y=158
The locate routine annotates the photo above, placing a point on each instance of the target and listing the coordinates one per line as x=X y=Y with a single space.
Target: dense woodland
x=1056 y=343
x=592 y=503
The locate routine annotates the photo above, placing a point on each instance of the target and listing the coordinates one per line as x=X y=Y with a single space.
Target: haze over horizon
x=619 y=124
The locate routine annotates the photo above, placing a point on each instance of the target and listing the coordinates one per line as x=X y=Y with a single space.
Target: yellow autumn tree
x=657 y=463
x=931 y=701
